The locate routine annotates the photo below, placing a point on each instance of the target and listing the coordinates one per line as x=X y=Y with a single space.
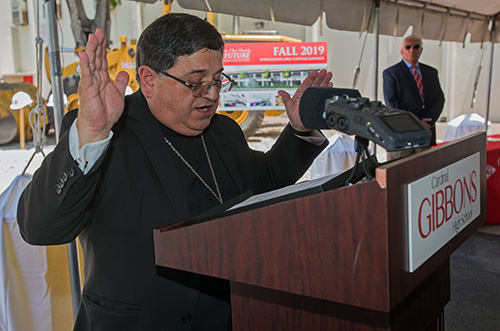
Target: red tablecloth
x=493 y=179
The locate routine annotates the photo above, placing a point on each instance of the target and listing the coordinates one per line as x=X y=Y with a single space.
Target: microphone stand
x=361 y=147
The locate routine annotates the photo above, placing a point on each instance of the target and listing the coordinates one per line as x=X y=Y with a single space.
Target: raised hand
x=101 y=100
x=314 y=79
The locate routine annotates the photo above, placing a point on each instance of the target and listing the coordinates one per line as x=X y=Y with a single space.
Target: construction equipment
x=119 y=59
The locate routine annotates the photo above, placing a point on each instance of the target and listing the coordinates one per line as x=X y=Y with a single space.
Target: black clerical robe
x=138 y=185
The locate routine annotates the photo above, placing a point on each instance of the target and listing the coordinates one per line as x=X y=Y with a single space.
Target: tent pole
x=74 y=276
x=375 y=73
x=55 y=65
x=236 y=25
x=376 y=35
x=57 y=93
x=490 y=76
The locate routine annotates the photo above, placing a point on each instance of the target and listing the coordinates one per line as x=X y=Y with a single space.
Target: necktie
x=418 y=80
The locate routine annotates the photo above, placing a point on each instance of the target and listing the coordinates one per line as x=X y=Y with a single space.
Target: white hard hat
x=20 y=100
x=50 y=101
x=128 y=90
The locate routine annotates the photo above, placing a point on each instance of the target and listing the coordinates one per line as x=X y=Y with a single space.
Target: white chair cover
x=464 y=125
x=336 y=158
x=35 y=292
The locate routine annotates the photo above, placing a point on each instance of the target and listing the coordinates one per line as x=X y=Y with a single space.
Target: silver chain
x=37 y=115
x=218 y=196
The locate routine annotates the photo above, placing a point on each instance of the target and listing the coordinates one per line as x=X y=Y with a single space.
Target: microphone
x=312 y=105
x=346 y=111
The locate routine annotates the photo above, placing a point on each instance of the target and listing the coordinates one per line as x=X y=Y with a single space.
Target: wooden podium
x=336 y=260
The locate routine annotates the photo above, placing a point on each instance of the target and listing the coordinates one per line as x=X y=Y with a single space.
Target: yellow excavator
x=119 y=59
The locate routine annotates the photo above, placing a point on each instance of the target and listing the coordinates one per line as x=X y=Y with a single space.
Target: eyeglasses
x=204 y=88
x=415 y=46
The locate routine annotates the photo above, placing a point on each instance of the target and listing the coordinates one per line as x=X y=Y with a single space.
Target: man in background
x=413 y=86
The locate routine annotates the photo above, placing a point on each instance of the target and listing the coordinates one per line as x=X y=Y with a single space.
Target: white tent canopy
x=446 y=20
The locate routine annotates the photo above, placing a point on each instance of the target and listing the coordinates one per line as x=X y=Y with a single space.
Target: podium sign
x=440 y=205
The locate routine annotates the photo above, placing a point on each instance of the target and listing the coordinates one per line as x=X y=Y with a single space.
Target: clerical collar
x=168 y=131
x=171 y=133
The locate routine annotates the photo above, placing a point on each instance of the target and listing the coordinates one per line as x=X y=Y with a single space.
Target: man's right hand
x=426 y=122
x=101 y=100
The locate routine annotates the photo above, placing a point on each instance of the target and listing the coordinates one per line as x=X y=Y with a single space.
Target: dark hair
x=174 y=35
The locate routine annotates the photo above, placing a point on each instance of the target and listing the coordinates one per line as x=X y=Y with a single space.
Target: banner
x=261 y=69
x=276 y=53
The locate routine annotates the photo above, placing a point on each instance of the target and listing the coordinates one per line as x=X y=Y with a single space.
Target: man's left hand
x=314 y=79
